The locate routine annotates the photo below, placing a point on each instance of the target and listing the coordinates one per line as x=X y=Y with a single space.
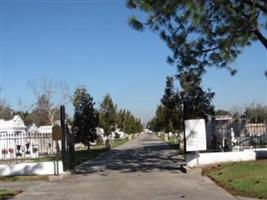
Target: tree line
x=177 y=105
x=87 y=117
x=192 y=102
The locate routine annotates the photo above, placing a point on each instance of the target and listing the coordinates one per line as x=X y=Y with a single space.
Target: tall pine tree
x=197 y=102
x=108 y=115
x=168 y=101
x=157 y=123
x=191 y=102
x=128 y=123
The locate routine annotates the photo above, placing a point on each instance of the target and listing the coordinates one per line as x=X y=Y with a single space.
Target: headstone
x=166 y=138
x=108 y=144
x=129 y=137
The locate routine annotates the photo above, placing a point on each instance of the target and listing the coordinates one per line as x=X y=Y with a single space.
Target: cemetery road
x=143 y=169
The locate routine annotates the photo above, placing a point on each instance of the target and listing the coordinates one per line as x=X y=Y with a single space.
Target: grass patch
x=172 y=142
x=118 y=142
x=7 y=194
x=84 y=155
x=23 y=178
x=243 y=178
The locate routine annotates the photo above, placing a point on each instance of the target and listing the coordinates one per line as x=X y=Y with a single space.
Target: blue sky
x=90 y=43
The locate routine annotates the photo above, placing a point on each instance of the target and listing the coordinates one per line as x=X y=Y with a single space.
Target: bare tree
x=6 y=112
x=49 y=96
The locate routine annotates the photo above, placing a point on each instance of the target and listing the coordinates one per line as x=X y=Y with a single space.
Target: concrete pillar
x=129 y=137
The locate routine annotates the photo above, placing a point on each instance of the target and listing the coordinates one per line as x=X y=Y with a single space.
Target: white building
x=45 y=129
x=12 y=133
x=12 y=126
x=17 y=140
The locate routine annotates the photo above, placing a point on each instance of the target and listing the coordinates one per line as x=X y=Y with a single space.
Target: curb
x=188 y=170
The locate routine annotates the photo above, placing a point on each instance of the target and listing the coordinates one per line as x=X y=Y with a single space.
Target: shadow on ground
x=152 y=155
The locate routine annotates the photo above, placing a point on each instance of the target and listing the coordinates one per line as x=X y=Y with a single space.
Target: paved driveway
x=143 y=169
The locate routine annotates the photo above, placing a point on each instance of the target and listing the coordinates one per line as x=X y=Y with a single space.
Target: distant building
x=218 y=128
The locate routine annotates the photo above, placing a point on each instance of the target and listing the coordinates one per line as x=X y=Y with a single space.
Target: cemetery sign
x=56 y=133
x=195 y=133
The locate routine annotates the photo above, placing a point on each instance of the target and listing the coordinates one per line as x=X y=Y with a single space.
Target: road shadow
x=150 y=157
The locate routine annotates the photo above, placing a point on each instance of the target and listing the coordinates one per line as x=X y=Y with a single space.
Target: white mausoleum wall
x=36 y=168
x=222 y=157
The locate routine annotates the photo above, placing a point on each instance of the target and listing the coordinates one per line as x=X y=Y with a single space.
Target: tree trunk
x=88 y=146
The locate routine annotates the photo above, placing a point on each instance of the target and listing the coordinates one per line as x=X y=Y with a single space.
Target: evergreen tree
x=169 y=102
x=158 y=122
x=128 y=123
x=108 y=115
x=168 y=97
x=169 y=115
x=177 y=115
x=138 y=126
x=192 y=102
x=123 y=120
x=197 y=102
x=203 y=33
x=85 y=117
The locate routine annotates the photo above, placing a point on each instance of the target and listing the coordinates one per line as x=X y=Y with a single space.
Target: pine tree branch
x=254 y=3
x=211 y=49
x=256 y=32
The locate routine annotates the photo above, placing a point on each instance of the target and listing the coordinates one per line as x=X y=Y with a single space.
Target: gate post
x=63 y=140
